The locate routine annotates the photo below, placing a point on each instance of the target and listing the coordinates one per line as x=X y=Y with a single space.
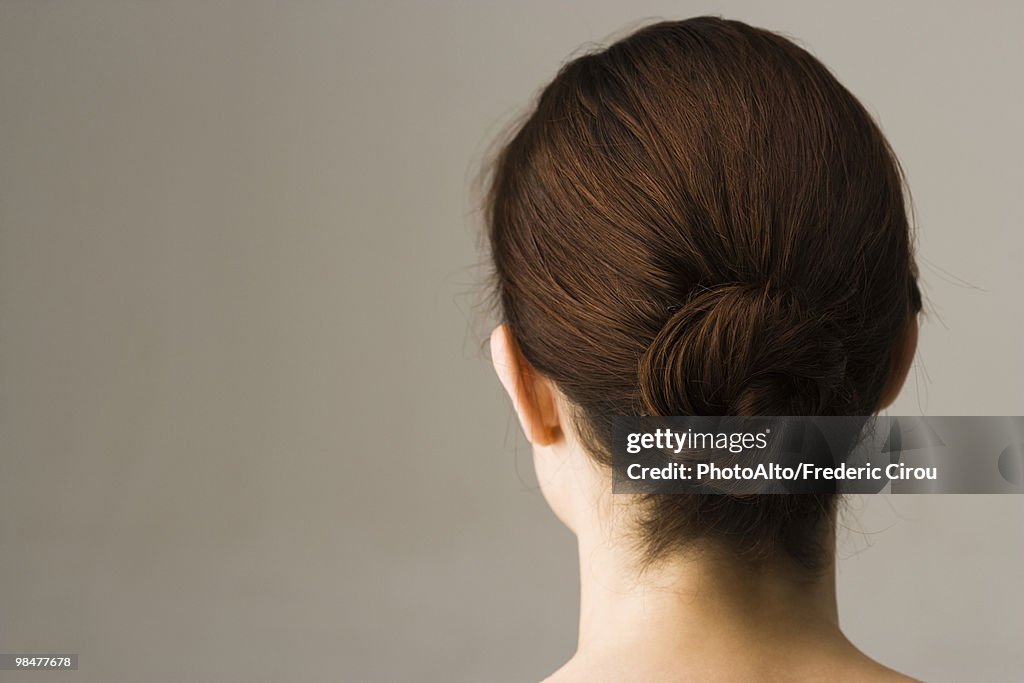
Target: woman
x=698 y=220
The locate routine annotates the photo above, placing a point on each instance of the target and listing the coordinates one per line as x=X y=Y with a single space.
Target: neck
x=704 y=602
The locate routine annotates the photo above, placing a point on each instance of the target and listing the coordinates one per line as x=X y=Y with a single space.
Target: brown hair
x=701 y=220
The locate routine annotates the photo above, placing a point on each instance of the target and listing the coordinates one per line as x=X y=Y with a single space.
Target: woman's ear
x=533 y=395
x=902 y=358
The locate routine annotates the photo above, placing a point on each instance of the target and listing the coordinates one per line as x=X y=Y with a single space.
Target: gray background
x=247 y=430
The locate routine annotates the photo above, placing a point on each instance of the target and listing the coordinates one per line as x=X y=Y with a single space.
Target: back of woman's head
x=700 y=220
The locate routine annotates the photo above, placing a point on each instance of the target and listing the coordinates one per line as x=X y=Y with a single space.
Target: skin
x=699 y=616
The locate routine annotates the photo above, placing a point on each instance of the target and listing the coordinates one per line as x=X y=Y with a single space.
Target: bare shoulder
x=883 y=674
x=582 y=676
x=577 y=671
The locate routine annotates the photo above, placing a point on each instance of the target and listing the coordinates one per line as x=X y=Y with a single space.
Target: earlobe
x=532 y=394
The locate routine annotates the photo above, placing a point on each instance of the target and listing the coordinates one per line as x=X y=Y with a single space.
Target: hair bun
x=740 y=349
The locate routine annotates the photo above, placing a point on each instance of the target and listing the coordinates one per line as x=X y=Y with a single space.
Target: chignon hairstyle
x=701 y=220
